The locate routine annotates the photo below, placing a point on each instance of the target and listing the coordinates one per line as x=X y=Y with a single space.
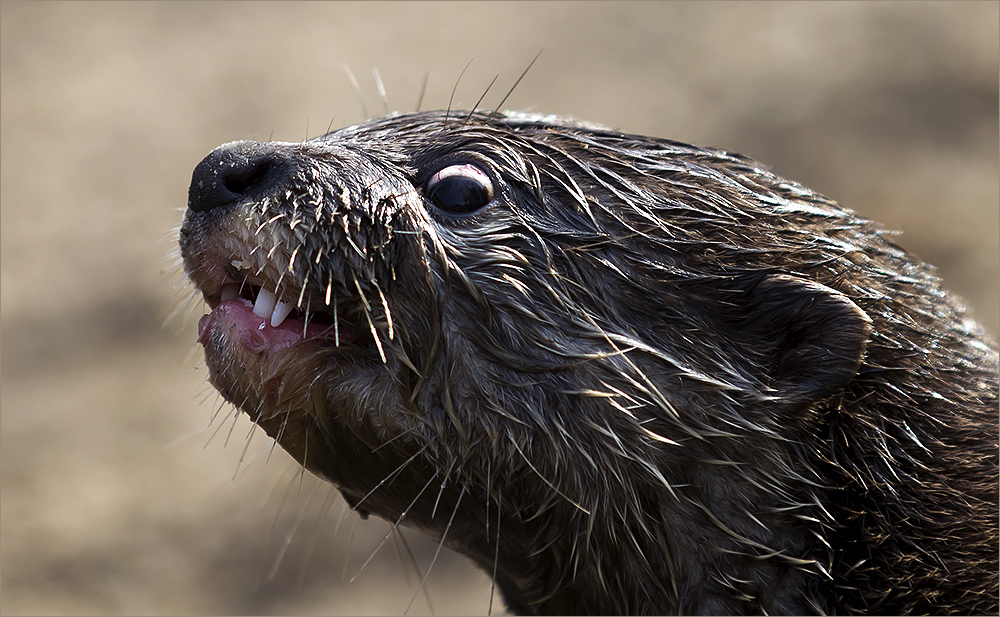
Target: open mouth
x=267 y=305
x=263 y=320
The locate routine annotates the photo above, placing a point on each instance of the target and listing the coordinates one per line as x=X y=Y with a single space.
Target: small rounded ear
x=814 y=337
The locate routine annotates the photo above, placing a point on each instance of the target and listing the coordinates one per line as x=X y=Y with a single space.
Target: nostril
x=230 y=174
x=241 y=181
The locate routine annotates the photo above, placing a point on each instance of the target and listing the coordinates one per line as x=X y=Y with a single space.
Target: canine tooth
x=264 y=305
x=281 y=310
x=230 y=291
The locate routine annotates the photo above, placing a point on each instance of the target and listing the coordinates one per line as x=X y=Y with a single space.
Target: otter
x=622 y=374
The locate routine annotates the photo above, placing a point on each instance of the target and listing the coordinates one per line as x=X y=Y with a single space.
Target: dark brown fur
x=646 y=378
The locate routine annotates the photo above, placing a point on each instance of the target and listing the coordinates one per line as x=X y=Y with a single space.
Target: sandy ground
x=119 y=496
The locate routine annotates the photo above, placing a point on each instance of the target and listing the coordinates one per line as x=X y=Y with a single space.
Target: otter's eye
x=460 y=189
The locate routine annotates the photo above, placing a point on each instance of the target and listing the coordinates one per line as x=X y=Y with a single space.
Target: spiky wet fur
x=648 y=378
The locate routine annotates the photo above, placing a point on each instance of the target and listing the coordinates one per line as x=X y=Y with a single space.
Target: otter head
x=593 y=362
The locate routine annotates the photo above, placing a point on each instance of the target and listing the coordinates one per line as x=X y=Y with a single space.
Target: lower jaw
x=267 y=371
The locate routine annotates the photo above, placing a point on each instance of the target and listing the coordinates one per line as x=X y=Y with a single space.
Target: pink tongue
x=254 y=332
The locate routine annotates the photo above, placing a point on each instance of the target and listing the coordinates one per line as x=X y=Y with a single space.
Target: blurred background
x=121 y=495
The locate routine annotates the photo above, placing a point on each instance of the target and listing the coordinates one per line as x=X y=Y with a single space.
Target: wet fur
x=648 y=378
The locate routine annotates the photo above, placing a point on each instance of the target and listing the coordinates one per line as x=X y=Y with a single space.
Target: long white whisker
x=394 y=526
x=444 y=536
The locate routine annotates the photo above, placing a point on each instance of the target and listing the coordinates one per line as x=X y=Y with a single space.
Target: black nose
x=232 y=173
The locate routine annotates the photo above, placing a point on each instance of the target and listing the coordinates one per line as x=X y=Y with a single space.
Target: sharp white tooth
x=230 y=291
x=264 y=305
x=281 y=310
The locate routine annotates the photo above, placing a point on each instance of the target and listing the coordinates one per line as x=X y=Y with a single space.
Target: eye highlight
x=459 y=189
